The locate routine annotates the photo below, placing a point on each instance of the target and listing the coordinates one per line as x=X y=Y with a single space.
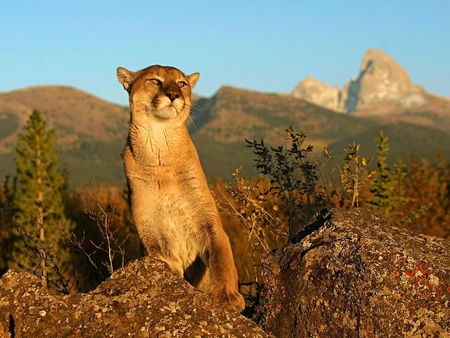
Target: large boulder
x=144 y=299
x=353 y=274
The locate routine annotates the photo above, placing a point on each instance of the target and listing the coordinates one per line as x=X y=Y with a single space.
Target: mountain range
x=91 y=132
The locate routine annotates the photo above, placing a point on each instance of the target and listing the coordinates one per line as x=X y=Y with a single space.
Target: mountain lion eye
x=182 y=84
x=155 y=81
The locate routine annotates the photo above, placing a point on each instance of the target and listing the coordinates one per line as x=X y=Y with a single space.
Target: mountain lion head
x=159 y=92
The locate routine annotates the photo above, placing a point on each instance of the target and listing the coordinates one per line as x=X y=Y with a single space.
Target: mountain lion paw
x=230 y=298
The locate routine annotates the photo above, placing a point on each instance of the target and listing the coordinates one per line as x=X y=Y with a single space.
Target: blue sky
x=262 y=45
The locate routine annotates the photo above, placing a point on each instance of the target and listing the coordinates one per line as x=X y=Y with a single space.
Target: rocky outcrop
x=348 y=274
x=353 y=274
x=319 y=93
x=144 y=299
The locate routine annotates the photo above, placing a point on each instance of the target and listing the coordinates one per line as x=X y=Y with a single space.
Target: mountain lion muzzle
x=171 y=204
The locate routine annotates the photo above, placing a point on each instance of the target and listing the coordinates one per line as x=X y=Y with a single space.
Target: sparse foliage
x=269 y=209
x=291 y=189
x=352 y=173
x=293 y=177
x=248 y=202
x=109 y=244
x=275 y=207
x=388 y=188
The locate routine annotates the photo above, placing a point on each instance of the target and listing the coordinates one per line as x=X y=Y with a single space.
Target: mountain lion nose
x=172 y=95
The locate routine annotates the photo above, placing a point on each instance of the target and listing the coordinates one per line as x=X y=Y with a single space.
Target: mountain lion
x=171 y=204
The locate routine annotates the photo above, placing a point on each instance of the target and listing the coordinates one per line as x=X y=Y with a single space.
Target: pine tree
x=384 y=189
x=388 y=189
x=381 y=187
x=36 y=200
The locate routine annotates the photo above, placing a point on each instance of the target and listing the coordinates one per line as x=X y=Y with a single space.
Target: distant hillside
x=70 y=110
x=91 y=132
x=233 y=115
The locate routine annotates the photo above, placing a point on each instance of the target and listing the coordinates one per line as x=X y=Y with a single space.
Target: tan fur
x=172 y=206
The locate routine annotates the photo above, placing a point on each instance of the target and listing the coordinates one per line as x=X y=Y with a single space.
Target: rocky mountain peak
x=318 y=92
x=380 y=81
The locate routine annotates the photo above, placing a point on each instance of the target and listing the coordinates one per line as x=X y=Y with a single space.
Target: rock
x=144 y=299
x=380 y=80
x=353 y=274
x=382 y=86
x=319 y=93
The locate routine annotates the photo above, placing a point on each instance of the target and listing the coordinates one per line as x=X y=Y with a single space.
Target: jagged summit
x=381 y=85
x=380 y=80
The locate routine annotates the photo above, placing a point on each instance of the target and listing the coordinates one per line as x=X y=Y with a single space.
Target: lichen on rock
x=353 y=274
x=143 y=299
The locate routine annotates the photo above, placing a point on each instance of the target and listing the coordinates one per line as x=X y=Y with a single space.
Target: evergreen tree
x=389 y=189
x=379 y=186
x=37 y=203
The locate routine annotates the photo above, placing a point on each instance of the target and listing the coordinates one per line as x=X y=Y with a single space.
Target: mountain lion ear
x=193 y=78
x=125 y=77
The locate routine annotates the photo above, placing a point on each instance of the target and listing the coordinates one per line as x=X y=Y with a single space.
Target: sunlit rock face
x=319 y=93
x=380 y=80
x=382 y=86
x=352 y=273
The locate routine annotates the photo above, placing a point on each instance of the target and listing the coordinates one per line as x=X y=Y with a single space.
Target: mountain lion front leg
x=223 y=275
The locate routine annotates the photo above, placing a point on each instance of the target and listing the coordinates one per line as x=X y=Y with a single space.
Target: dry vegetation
x=259 y=213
